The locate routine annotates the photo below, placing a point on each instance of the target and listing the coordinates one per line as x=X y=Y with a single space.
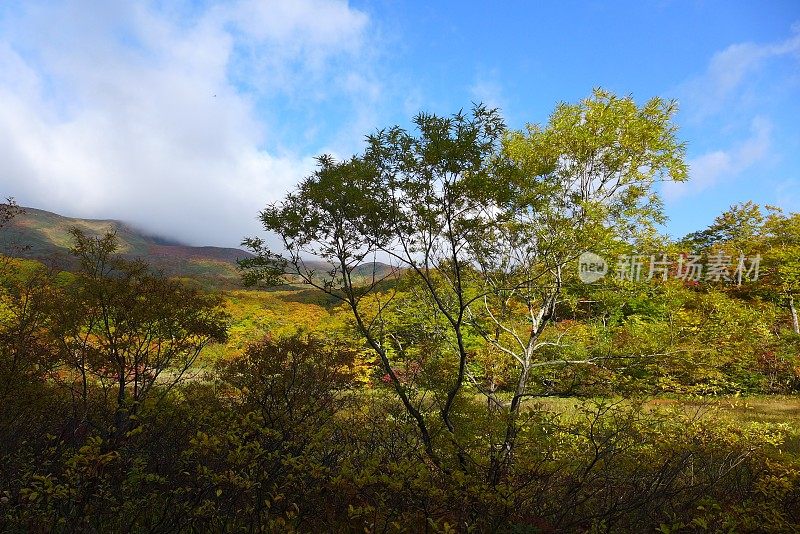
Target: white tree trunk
x=794 y=315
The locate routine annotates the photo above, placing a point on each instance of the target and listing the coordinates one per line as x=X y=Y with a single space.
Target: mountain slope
x=44 y=236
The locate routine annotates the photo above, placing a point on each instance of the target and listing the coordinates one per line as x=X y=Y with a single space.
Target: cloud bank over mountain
x=153 y=113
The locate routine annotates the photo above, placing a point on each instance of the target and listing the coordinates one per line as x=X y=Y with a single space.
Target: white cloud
x=321 y=27
x=488 y=91
x=122 y=110
x=711 y=168
x=720 y=87
x=736 y=95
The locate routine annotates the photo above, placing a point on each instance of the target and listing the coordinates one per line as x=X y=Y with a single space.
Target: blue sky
x=186 y=118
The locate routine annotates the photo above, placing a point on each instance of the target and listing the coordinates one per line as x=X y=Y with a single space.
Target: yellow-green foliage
x=257 y=314
x=14 y=273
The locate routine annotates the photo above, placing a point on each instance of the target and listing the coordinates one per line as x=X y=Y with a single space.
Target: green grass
x=769 y=409
x=761 y=409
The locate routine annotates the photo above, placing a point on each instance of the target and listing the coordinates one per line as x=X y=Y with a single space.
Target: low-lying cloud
x=132 y=111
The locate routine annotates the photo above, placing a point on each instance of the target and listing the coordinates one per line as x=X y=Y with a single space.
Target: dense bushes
x=282 y=442
x=103 y=429
x=286 y=437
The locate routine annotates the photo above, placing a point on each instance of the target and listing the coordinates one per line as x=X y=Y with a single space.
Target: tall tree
x=418 y=198
x=124 y=330
x=483 y=220
x=582 y=182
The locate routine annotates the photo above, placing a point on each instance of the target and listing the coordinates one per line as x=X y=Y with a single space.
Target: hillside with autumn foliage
x=536 y=357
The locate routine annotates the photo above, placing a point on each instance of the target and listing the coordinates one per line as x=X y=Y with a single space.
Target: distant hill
x=44 y=236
